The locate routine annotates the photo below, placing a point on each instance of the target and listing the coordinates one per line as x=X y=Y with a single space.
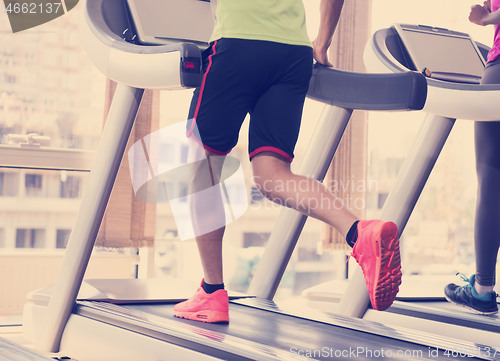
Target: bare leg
x=276 y=181
x=207 y=210
x=208 y=220
x=210 y=249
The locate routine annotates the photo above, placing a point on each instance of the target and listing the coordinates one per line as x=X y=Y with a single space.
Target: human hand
x=478 y=14
x=487 y=5
x=320 y=54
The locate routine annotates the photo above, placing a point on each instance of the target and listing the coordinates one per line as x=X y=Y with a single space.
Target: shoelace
x=468 y=280
x=464 y=277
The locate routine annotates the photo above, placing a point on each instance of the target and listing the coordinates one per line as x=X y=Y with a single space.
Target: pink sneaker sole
x=388 y=267
x=204 y=316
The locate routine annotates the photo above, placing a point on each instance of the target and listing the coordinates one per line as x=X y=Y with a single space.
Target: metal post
x=290 y=222
x=402 y=199
x=109 y=154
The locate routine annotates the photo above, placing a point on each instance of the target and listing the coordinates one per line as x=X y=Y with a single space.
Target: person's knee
x=270 y=175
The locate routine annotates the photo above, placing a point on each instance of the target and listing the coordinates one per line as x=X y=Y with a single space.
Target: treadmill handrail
x=368 y=91
x=136 y=65
x=477 y=102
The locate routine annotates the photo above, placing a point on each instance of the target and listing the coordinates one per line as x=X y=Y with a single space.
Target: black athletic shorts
x=268 y=80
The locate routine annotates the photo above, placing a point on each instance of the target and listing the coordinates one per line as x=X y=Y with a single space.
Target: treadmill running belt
x=266 y=333
x=10 y=351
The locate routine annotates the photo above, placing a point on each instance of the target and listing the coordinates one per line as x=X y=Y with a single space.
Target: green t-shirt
x=282 y=21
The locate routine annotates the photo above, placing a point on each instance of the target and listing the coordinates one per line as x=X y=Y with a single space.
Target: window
x=382 y=197
x=30 y=238
x=9 y=184
x=69 y=187
x=62 y=237
x=33 y=184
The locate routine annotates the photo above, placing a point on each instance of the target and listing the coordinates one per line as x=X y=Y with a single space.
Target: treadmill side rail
x=401 y=91
x=175 y=66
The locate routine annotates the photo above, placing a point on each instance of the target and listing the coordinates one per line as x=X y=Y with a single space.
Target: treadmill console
x=440 y=53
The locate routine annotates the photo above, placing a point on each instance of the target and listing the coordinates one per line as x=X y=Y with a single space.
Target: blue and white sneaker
x=466 y=296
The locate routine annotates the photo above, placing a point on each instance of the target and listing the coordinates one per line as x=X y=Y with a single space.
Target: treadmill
x=133 y=319
x=453 y=93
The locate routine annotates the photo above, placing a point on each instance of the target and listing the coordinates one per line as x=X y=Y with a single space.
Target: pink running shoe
x=377 y=252
x=205 y=307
